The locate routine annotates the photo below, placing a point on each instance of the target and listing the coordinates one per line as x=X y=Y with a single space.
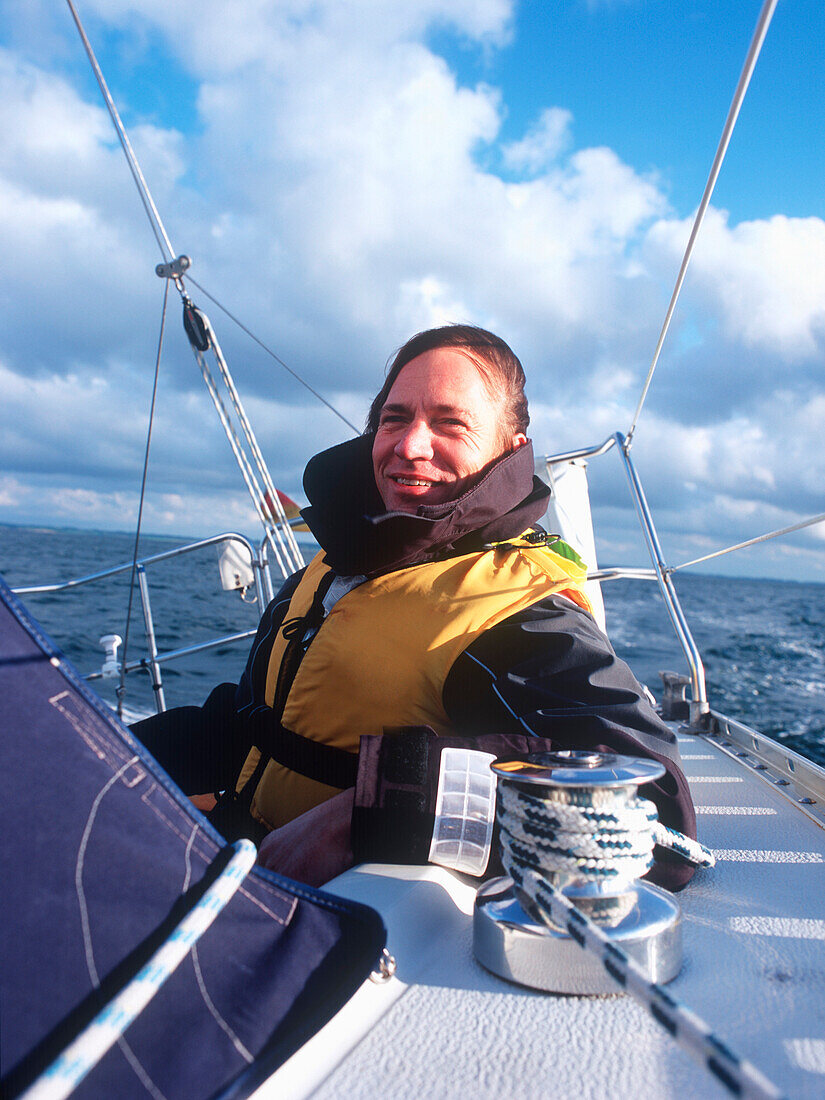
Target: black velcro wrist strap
x=392 y=819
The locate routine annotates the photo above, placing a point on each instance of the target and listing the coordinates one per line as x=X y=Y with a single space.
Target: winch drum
x=512 y=942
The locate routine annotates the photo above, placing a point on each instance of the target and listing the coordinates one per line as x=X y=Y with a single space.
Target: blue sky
x=346 y=174
x=654 y=81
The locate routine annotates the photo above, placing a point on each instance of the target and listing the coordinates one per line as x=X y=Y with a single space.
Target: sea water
x=762 y=642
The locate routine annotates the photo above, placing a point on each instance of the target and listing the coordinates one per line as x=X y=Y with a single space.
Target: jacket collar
x=347 y=516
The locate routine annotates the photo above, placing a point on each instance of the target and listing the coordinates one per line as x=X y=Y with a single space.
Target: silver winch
x=573 y=819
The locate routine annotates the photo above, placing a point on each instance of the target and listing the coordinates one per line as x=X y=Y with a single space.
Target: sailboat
x=452 y=1005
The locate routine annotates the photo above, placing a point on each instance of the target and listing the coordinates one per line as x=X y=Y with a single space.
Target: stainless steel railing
x=154 y=658
x=699 y=703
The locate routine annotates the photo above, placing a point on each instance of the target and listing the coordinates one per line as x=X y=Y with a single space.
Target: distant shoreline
x=54 y=529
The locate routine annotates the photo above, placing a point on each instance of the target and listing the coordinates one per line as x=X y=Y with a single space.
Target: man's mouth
x=414 y=481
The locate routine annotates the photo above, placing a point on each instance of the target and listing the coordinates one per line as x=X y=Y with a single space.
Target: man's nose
x=416 y=442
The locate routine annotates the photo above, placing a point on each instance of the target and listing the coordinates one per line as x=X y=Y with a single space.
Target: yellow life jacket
x=382 y=654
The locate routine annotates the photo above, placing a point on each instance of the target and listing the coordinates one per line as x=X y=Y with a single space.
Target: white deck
x=754 y=969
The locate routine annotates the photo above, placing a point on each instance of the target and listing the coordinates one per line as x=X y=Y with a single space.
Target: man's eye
x=390 y=418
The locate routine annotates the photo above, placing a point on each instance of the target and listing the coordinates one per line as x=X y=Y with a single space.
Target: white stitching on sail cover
x=128 y=1053
x=207 y=1000
x=78 y=877
x=257 y=901
x=150 y=799
x=198 y=972
x=101 y=744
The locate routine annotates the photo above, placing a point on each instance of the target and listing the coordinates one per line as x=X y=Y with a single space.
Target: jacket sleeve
x=546 y=678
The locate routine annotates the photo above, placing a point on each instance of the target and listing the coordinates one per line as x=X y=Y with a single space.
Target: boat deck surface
x=754 y=970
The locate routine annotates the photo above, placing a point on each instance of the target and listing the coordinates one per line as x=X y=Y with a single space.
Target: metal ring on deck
x=385 y=970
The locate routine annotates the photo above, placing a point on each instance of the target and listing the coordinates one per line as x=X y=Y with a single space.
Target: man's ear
x=518 y=441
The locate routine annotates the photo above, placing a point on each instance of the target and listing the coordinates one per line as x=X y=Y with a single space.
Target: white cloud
x=764 y=280
x=541 y=145
x=218 y=43
x=11 y=492
x=333 y=195
x=60 y=145
x=426 y=303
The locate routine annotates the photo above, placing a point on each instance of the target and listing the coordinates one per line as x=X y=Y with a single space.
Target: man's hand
x=315 y=847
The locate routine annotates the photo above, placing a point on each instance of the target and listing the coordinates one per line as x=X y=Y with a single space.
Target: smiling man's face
x=438 y=429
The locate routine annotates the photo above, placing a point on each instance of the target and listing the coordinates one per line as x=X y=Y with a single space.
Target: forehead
x=447 y=377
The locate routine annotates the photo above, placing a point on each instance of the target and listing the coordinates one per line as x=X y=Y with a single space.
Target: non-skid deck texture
x=754 y=969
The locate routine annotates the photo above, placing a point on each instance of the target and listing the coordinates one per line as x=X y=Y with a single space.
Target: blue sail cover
x=101 y=853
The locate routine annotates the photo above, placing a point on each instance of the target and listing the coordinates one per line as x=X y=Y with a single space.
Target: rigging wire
x=280 y=522
x=761 y=30
x=154 y=217
x=173 y=269
x=245 y=467
x=750 y=542
x=270 y=352
x=156 y=221
x=121 y=687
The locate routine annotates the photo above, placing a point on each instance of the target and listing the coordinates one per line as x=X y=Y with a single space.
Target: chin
x=405 y=504
x=400 y=502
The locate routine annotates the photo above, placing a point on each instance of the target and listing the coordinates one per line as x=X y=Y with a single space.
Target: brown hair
x=500 y=368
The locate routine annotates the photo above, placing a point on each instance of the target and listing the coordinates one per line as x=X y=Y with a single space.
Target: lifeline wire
x=741 y=88
x=751 y=542
x=84 y=1052
x=603 y=836
x=121 y=687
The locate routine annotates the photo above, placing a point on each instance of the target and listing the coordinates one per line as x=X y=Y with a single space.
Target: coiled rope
x=606 y=836
x=601 y=835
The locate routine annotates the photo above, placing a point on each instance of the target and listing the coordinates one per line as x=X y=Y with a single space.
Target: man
x=436 y=615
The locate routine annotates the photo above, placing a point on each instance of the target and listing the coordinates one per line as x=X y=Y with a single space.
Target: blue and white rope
x=559 y=834
x=607 y=835
x=739 y=1076
x=84 y=1052
x=600 y=833
x=603 y=835
x=688 y=849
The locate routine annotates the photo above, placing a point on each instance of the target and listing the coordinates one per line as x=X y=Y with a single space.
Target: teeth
x=411 y=481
